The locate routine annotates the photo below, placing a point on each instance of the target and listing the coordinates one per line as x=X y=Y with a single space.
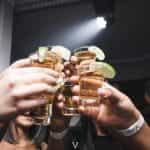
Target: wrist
x=127 y=120
x=134 y=128
x=134 y=117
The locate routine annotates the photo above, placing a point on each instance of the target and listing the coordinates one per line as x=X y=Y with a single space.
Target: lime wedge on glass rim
x=42 y=52
x=99 y=52
x=62 y=51
x=104 y=69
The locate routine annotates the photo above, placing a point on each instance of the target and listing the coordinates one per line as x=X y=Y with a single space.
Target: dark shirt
x=146 y=114
x=84 y=135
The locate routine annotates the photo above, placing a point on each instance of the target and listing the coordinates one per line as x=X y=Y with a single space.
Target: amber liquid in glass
x=70 y=107
x=42 y=115
x=89 y=84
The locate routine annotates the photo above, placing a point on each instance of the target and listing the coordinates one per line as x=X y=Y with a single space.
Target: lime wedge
x=99 y=52
x=104 y=69
x=42 y=52
x=62 y=51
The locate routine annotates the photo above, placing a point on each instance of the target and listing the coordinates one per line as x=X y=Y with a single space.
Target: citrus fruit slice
x=99 y=52
x=42 y=52
x=62 y=52
x=103 y=69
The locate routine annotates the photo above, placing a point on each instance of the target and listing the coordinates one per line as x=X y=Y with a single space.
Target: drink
x=83 y=54
x=70 y=107
x=92 y=77
x=89 y=84
x=89 y=53
x=47 y=57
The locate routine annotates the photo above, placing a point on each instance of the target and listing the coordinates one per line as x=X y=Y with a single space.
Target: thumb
x=26 y=62
x=111 y=94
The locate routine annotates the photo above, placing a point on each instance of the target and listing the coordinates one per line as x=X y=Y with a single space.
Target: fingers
x=74 y=79
x=59 y=67
x=38 y=70
x=89 y=111
x=74 y=60
x=60 y=105
x=21 y=63
x=24 y=105
x=35 y=78
x=76 y=90
x=30 y=90
x=67 y=72
x=76 y=100
x=111 y=93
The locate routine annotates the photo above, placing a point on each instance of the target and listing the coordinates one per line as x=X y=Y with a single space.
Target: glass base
x=44 y=119
x=92 y=101
x=41 y=121
x=70 y=111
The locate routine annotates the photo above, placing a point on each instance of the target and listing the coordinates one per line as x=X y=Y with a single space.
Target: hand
x=18 y=83
x=115 y=110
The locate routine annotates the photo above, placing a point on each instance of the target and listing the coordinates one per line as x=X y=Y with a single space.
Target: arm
x=17 y=84
x=117 y=112
x=140 y=141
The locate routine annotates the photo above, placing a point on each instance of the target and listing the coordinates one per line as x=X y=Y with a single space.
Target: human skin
x=20 y=81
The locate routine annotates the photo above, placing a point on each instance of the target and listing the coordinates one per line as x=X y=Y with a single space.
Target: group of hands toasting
x=20 y=81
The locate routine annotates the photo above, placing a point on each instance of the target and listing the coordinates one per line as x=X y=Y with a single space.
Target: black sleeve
x=3 y=131
x=106 y=143
x=76 y=136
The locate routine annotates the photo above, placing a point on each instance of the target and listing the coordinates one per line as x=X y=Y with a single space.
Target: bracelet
x=134 y=128
x=58 y=135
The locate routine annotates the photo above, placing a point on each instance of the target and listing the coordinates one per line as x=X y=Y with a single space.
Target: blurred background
x=120 y=27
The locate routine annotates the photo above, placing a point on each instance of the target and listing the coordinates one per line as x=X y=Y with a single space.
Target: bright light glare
x=80 y=34
x=101 y=22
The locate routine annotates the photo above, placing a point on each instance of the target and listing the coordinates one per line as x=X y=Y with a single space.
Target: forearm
x=140 y=141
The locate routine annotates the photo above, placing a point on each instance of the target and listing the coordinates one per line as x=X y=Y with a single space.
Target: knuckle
x=44 y=78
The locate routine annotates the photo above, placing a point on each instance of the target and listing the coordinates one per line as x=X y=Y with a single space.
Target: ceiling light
x=101 y=22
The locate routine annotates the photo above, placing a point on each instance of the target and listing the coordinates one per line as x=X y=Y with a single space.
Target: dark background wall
x=126 y=42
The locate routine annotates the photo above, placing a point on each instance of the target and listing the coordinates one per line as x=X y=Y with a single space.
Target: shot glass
x=90 y=80
x=51 y=60
x=83 y=53
x=70 y=106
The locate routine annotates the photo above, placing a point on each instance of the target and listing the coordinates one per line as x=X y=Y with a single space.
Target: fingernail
x=81 y=109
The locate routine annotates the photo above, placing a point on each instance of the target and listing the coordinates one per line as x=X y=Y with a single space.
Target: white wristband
x=58 y=135
x=134 y=128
